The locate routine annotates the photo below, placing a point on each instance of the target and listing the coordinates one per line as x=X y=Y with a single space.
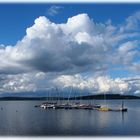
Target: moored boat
x=120 y=109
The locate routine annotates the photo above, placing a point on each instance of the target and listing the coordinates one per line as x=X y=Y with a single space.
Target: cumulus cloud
x=80 y=45
x=127 y=52
x=100 y=84
x=58 y=55
x=36 y=81
x=39 y=81
x=132 y=22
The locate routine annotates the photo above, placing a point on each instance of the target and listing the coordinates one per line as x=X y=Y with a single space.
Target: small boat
x=96 y=106
x=47 y=106
x=50 y=106
x=122 y=109
x=37 y=106
x=43 y=106
x=81 y=106
x=91 y=106
x=103 y=109
x=60 y=106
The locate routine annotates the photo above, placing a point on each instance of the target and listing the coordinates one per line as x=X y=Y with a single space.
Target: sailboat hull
x=121 y=109
x=109 y=109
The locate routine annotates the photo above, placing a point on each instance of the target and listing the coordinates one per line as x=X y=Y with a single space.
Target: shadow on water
x=123 y=117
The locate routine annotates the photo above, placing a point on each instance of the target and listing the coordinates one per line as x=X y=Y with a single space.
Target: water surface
x=21 y=118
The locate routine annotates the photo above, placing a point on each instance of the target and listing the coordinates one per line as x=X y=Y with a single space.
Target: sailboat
x=105 y=108
x=122 y=108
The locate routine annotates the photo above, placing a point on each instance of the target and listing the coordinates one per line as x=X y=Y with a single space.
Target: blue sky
x=91 y=47
x=15 y=18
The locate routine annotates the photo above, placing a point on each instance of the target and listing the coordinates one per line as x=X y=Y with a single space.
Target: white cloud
x=39 y=81
x=135 y=66
x=75 y=46
x=54 y=10
x=53 y=54
x=128 y=46
x=101 y=84
x=36 y=81
x=132 y=22
x=127 y=52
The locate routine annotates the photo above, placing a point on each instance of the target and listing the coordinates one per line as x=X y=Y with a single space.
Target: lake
x=21 y=118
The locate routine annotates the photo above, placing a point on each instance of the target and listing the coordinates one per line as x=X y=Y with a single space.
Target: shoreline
x=89 y=97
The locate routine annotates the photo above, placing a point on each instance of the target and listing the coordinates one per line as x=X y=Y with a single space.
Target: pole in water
x=122 y=104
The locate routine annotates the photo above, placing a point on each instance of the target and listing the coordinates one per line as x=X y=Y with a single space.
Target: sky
x=89 y=47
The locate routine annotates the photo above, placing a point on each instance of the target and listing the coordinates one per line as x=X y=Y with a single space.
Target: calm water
x=20 y=118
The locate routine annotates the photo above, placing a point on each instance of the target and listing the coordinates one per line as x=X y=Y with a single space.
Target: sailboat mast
x=105 y=99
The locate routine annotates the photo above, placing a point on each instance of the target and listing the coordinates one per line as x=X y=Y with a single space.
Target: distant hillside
x=98 y=97
x=21 y=98
x=107 y=97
